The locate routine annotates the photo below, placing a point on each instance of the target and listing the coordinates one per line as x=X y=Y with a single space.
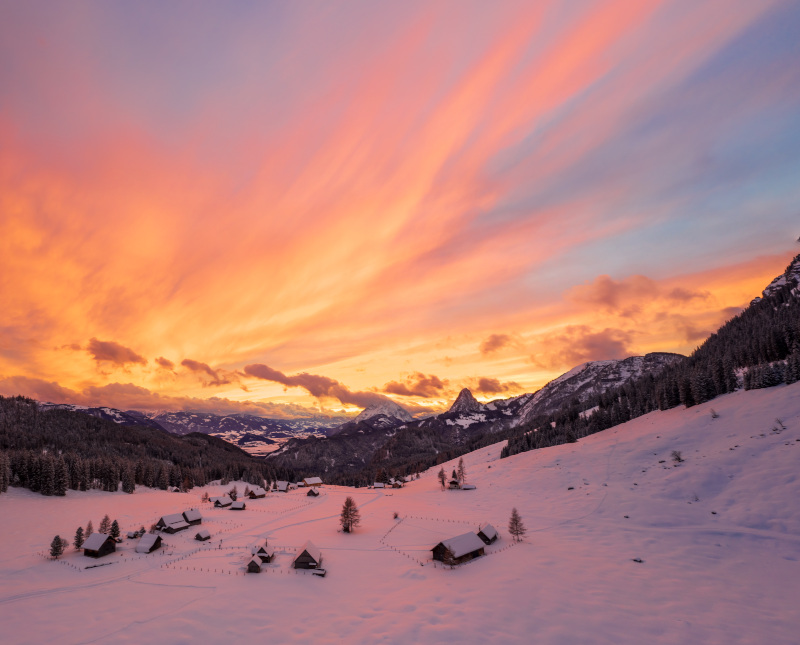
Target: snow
x=95 y=541
x=717 y=536
x=146 y=543
x=463 y=544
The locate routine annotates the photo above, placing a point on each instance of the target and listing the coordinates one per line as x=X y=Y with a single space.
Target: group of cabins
x=227 y=502
x=464 y=547
x=454 y=484
x=309 y=557
x=392 y=483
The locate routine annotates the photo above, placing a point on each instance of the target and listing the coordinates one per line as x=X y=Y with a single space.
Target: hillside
x=616 y=528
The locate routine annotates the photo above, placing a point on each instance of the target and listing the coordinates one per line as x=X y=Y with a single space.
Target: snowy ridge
x=387 y=408
x=789 y=277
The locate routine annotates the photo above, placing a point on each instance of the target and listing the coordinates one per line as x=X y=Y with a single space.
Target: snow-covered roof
x=192 y=515
x=255 y=560
x=224 y=500
x=313 y=551
x=203 y=533
x=310 y=481
x=174 y=518
x=468 y=487
x=379 y=485
x=282 y=485
x=237 y=504
x=463 y=544
x=178 y=526
x=489 y=531
x=257 y=490
x=95 y=541
x=146 y=543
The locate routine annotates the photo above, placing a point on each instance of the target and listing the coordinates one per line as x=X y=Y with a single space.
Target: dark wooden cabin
x=309 y=557
x=98 y=545
x=254 y=566
x=488 y=534
x=462 y=547
x=192 y=517
x=312 y=492
x=148 y=543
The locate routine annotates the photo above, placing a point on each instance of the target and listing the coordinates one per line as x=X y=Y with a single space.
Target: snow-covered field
x=718 y=536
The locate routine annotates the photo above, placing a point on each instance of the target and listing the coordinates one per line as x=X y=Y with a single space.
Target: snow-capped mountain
x=789 y=277
x=591 y=378
x=123 y=418
x=387 y=408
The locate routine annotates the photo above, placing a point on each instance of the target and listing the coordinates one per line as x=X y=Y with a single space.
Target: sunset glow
x=281 y=208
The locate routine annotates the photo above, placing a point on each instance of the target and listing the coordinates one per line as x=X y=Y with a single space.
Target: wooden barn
x=263 y=552
x=202 y=535
x=222 y=502
x=148 y=543
x=463 y=547
x=309 y=557
x=238 y=505
x=172 y=523
x=254 y=566
x=257 y=493
x=379 y=485
x=312 y=492
x=192 y=517
x=98 y=545
x=312 y=481
x=281 y=486
x=454 y=484
x=488 y=534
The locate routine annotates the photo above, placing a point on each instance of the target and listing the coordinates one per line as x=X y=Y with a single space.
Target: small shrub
x=676 y=456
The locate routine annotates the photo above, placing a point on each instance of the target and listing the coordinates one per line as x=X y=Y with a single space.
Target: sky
x=290 y=208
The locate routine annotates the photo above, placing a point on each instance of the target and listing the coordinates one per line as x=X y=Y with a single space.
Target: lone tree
x=442 y=477
x=79 y=539
x=462 y=471
x=56 y=547
x=233 y=493
x=350 y=517
x=89 y=530
x=114 y=529
x=515 y=526
x=105 y=525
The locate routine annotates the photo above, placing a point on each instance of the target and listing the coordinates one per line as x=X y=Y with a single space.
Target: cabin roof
x=238 y=504
x=312 y=550
x=312 y=480
x=192 y=515
x=146 y=542
x=489 y=531
x=463 y=544
x=95 y=541
x=204 y=533
x=257 y=490
x=174 y=518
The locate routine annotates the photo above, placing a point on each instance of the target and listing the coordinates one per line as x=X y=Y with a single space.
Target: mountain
x=387 y=408
x=465 y=403
x=357 y=450
x=790 y=278
x=126 y=418
x=592 y=378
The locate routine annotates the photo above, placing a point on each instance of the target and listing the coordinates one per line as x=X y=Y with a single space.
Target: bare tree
x=442 y=477
x=462 y=471
x=515 y=526
x=350 y=517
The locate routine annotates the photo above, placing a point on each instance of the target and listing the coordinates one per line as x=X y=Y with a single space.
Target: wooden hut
x=202 y=535
x=192 y=517
x=488 y=534
x=379 y=485
x=454 y=484
x=309 y=557
x=263 y=552
x=222 y=502
x=468 y=486
x=254 y=566
x=172 y=523
x=462 y=548
x=98 y=545
x=148 y=543
x=282 y=486
x=257 y=493
x=238 y=505
x=312 y=481
x=312 y=492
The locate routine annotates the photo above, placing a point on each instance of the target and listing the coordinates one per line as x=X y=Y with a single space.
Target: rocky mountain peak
x=388 y=408
x=465 y=403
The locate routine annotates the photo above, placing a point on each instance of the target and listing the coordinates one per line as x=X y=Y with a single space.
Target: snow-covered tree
x=515 y=526
x=79 y=539
x=350 y=517
x=114 y=529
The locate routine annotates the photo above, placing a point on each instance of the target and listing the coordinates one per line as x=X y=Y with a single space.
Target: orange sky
x=381 y=200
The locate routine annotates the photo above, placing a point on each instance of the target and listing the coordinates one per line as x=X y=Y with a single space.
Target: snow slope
x=718 y=535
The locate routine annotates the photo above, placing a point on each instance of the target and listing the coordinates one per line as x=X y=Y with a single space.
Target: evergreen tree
x=79 y=540
x=128 y=480
x=5 y=472
x=350 y=517
x=89 y=529
x=462 y=471
x=105 y=525
x=114 y=529
x=61 y=480
x=48 y=476
x=56 y=547
x=515 y=526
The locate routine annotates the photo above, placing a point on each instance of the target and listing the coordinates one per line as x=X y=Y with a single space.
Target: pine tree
x=79 y=540
x=515 y=526
x=56 y=547
x=89 y=529
x=61 y=478
x=114 y=529
x=350 y=517
x=462 y=471
x=48 y=476
x=442 y=477
x=105 y=525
